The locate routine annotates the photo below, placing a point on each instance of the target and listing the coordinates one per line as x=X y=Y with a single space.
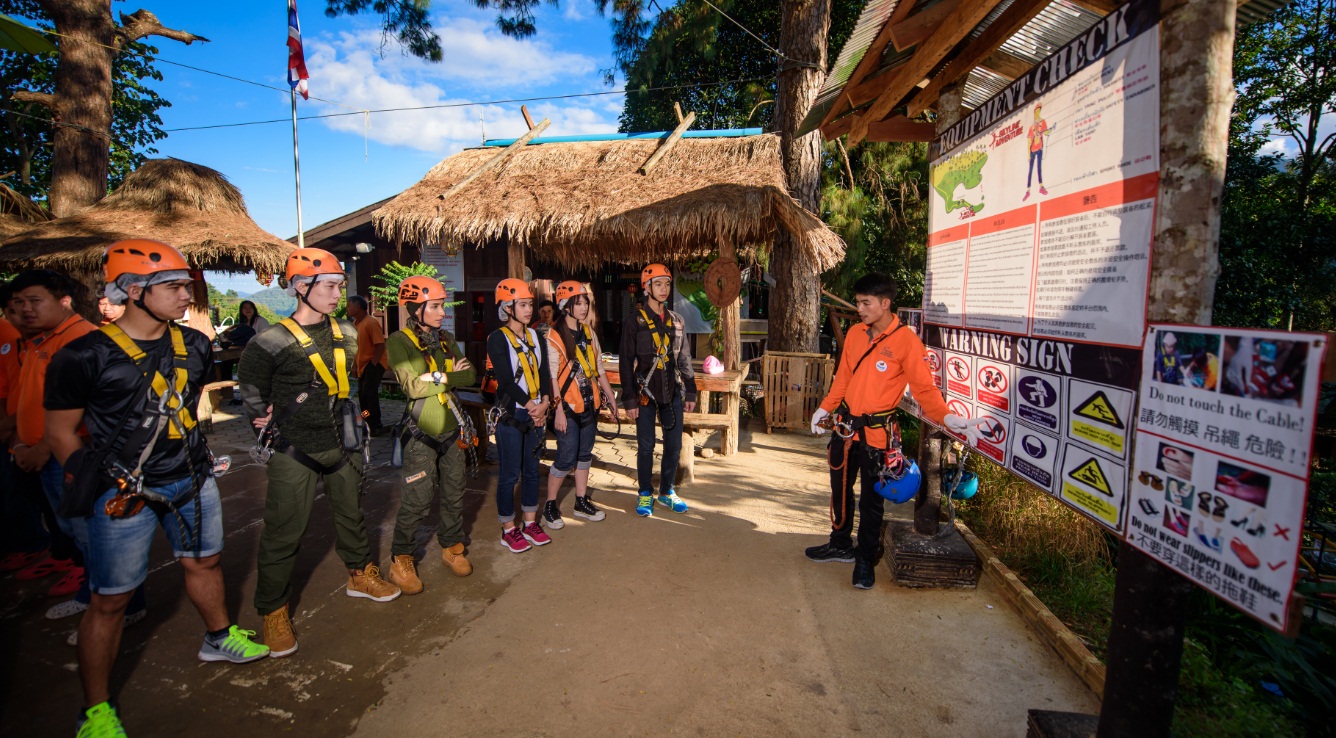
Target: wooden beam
x=914 y=29
x=514 y=259
x=669 y=143
x=871 y=58
x=930 y=53
x=496 y=161
x=524 y=109
x=677 y=110
x=1103 y=7
x=1012 y=20
x=898 y=128
x=1005 y=65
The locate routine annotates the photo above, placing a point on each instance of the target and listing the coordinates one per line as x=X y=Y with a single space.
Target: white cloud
x=1276 y=146
x=351 y=70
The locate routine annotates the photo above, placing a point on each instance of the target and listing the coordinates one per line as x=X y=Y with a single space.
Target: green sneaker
x=237 y=647
x=100 y=721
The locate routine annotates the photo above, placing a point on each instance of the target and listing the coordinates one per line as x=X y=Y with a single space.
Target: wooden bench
x=209 y=397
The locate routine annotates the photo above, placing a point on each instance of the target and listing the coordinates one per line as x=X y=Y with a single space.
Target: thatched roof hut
x=584 y=204
x=18 y=213
x=187 y=205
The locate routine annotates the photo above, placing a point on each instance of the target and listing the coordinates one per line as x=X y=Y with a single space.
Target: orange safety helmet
x=311 y=263
x=420 y=289
x=143 y=257
x=568 y=289
x=513 y=289
x=653 y=271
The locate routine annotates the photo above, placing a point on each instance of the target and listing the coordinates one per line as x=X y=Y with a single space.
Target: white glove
x=817 y=417
x=965 y=427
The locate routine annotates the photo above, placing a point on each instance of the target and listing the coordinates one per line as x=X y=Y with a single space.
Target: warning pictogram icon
x=1099 y=409
x=1092 y=475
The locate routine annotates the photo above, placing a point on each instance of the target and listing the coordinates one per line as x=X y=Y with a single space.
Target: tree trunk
x=795 y=298
x=81 y=147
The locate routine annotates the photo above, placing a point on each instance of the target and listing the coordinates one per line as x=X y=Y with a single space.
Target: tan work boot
x=404 y=573
x=278 y=633
x=454 y=558
x=367 y=583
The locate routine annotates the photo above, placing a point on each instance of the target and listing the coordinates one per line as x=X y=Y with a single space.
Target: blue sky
x=345 y=167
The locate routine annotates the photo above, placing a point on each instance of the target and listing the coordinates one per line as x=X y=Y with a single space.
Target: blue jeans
x=575 y=447
x=517 y=453
x=1036 y=162
x=672 y=445
x=119 y=547
x=52 y=478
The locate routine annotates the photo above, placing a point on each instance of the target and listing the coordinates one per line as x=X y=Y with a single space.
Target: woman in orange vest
x=580 y=387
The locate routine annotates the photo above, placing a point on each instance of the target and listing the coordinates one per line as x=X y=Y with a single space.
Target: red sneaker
x=44 y=568
x=68 y=584
x=21 y=560
x=534 y=533
x=513 y=540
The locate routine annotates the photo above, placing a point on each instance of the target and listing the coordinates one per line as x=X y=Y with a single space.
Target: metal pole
x=297 y=170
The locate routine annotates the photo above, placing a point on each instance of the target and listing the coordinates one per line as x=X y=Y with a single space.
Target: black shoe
x=827 y=552
x=864 y=573
x=584 y=508
x=552 y=516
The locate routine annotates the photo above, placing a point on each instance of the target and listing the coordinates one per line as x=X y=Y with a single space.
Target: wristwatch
x=438 y=378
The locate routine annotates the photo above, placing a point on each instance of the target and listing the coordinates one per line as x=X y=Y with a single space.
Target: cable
x=469 y=104
x=773 y=50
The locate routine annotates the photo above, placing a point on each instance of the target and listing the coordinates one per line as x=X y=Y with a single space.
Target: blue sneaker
x=645 y=505
x=673 y=502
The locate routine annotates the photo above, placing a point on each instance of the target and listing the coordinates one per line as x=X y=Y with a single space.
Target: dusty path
x=709 y=623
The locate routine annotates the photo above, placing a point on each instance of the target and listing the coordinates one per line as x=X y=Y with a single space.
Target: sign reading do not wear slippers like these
x=1223 y=445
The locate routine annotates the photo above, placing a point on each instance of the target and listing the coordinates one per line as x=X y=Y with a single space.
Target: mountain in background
x=276 y=300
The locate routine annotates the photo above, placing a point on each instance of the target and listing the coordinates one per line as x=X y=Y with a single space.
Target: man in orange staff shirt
x=877 y=361
x=24 y=539
x=371 y=360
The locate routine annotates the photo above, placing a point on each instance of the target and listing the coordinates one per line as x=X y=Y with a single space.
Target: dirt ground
x=708 y=623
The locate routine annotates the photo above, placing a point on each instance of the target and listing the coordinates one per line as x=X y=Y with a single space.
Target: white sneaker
x=130 y=619
x=65 y=609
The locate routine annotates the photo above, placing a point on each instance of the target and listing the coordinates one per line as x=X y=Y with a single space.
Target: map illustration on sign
x=960 y=172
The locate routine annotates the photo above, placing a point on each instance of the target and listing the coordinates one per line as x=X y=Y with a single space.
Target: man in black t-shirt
x=133 y=385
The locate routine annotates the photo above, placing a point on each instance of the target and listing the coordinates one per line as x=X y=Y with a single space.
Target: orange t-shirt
x=1037 y=130
x=34 y=356
x=898 y=360
x=9 y=357
x=369 y=335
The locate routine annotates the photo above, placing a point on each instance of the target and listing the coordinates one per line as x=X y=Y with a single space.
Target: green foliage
x=391 y=275
x=229 y=304
x=1213 y=702
x=275 y=300
x=26 y=146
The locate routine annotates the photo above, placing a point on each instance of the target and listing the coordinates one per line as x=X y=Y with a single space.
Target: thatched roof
x=18 y=213
x=584 y=204
x=189 y=206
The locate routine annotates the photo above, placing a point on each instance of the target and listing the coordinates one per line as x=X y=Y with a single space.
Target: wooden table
x=728 y=383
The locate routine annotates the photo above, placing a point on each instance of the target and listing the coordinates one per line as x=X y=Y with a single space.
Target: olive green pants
x=422 y=473
x=287 y=511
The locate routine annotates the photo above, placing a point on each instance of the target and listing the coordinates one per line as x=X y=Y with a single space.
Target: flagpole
x=297 y=169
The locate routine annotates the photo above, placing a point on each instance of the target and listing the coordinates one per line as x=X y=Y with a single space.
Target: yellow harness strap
x=661 y=342
x=588 y=362
x=176 y=400
x=528 y=357
x=432 y=366
x=335 y=386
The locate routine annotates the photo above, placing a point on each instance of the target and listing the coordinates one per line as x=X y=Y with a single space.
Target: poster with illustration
x=1223 y=444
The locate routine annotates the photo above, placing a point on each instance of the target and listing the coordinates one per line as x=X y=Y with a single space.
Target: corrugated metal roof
x=1054 y=26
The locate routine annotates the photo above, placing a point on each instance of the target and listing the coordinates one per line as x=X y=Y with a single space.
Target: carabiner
x=843 y=430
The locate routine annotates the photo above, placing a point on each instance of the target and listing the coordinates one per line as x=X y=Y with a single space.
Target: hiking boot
x=533 y=533
x=645 y=505
x=829 y=552
x=864 y=573
x=366 y=582
x=584 y=508
x=454 y=558
x=278 y=634
x=404 y=573
x=513 y=540
x=100 y=721
x=237 y=647
x=673 y=502
x=552 y=516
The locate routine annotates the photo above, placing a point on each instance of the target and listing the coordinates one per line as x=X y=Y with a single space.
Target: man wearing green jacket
x=434 y=433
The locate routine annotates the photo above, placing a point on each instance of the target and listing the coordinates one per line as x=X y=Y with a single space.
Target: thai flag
x=297 y=74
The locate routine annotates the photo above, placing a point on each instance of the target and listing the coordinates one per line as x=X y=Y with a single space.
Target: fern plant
x=386 y=293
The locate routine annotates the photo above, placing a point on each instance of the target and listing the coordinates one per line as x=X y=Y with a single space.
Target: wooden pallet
x=923 y=561
x=794 y=384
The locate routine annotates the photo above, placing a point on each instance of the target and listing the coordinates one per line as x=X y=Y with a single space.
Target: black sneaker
x=552 y=516
x=584 y=508
x=864 y=573
x=828 y=552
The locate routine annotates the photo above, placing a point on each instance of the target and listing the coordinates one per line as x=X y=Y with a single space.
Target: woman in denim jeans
x=581 y=388
x=523 y=394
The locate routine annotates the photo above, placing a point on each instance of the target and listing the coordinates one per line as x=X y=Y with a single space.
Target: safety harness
x=663 y=341
x=587 y=378
x=164 y=409
x=526 y=355
x=465 y=436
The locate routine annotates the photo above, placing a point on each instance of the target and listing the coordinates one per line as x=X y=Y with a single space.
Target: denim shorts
x=575 y=447
x=119 y=547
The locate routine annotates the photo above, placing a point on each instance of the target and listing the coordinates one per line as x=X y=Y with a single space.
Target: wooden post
x=677 y=110
x=514 y=259
x=730 y=319
x=528 y=121
x=669 y=143
x=928 y=503
x=1196 y=97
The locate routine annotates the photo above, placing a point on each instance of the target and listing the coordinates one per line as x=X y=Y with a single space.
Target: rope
x=838 y=521
x=788 y=62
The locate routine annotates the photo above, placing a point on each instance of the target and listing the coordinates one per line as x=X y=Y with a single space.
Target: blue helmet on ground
x=902 y=488
x=969 y=484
